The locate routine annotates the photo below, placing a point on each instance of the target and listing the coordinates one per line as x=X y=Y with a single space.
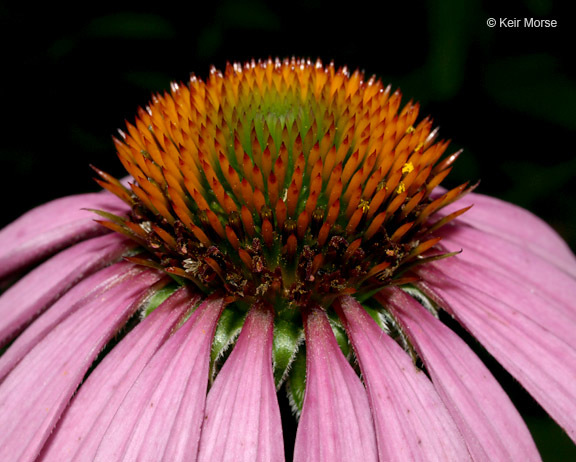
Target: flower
x=283 y=226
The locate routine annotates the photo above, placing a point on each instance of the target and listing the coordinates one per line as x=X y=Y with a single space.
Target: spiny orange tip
x=283 y=179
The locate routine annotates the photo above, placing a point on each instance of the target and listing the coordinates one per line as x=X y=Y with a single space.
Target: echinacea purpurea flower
x=283 y=226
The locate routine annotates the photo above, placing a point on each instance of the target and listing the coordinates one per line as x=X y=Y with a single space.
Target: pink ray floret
x=84 y=424
x=410 y=419
x=242 y=417
x=336 y=423
x=486 y=417
x=515 y=225
x=19 y=305
x=51 y=227
x=40 y=386
x=538 y=357
x=161 y=416
x=80 y=295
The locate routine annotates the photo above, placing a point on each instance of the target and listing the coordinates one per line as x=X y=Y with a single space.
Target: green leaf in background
x=244 y=15
x=130 y=25
x=533 y=84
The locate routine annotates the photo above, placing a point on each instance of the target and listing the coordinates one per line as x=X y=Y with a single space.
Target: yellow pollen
x=364 y=205
x=401 y=188
x=410 y=129
x=407 y=167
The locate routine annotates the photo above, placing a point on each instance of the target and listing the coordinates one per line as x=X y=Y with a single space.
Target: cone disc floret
x=287 y=181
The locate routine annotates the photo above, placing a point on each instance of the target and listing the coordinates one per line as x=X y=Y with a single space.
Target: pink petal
x=537 y=350
x=46 y=283
x=76 y=298
x=545 y=286
x=491 y=426
x=84 y=423
x=51 y=227
x=161 y=416
x=242 y=418
x=410 y=419
x=517 y=226
x=36 y=392
x=336 y=423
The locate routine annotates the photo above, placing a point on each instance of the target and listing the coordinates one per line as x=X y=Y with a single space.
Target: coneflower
x=282 y=230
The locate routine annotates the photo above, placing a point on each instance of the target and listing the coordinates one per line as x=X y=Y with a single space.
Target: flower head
x=283 y=227
x=284 y=181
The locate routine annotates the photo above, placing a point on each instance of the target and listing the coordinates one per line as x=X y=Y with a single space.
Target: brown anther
x=258 y=264
x=266 y=213
x=289 y=228
x=317 y=221
x=235 y=222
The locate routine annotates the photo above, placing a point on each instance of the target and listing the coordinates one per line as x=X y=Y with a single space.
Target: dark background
x=72 y=75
